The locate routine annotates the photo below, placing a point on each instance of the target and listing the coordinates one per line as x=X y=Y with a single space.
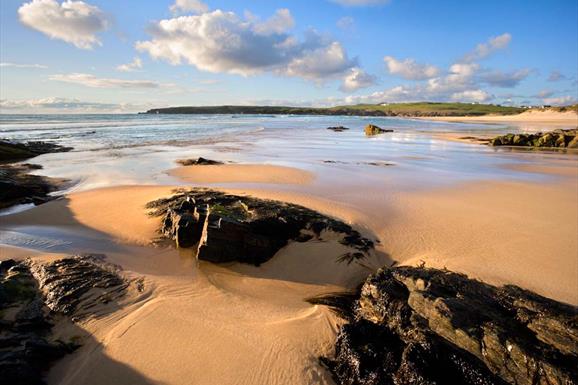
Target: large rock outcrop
x=414 y=325
x=224 y=227
x=34 y=296
x=556 y=139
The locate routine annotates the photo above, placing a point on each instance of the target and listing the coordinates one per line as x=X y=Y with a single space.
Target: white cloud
x=92 y=81
x=51 y=105
x=498 y=78
x=409 y=69
x=17 y=65
x=357 y=79
x=194 y=6
x=279 y=23
x=561 y=101
x=471 y=96
x=222 y=42
x=135 y=65
x=484 y=50
x=320 y=63
x=346 y=23
x=360 y=3
x=74 y=22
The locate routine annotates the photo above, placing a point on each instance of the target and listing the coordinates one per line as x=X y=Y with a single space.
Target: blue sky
x=114 y=56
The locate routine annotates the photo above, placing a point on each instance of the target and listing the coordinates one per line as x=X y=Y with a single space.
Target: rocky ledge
x=17 y=185
x=35 y=296
x=224 y=228
x=557 y=139
x=415 y=325
x=12 y=151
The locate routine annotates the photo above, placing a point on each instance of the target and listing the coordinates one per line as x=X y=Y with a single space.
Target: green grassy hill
x=421 y=109
x=432 y=109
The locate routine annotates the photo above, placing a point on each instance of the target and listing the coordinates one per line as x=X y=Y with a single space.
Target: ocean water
x=130 y=130
x=138 y=149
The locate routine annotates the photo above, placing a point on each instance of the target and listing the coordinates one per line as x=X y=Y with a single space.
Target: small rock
x=371 y=130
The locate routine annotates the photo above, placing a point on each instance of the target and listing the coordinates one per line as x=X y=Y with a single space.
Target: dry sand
x=242 y=173
x=538 y=117
x=238 y=324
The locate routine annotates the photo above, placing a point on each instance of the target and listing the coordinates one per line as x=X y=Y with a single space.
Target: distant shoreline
x=406 y=110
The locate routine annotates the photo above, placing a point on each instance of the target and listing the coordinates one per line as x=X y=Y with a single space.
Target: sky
x=128 y=56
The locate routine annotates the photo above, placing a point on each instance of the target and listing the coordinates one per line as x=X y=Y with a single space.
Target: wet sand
x=242 y=173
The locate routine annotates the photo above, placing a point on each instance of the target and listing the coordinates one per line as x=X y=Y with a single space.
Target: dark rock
x=371 y=130
x=338 y=128
x=226 y=228
x=38 y=294
x=198 y=162
x=72 y=286
x=12 y=151
x=413 y=325
x=553 y=139
x=17 y=186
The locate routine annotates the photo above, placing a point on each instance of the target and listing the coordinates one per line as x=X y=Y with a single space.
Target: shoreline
x=245 y=315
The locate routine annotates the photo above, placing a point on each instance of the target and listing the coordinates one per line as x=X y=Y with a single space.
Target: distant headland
x=421 y=109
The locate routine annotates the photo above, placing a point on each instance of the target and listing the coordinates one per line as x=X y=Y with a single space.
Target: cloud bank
x=92 y=81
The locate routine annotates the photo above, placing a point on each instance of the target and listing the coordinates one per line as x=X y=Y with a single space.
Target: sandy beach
x=243 y=324
x=531 y=118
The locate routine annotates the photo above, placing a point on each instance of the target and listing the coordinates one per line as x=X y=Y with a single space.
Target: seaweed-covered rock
x=413 y=325
x=225 y=227
x=372 y=129
x=557 y=138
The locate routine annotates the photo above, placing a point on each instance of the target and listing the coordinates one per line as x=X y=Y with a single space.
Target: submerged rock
x=372 y=129
x=224 y=227
x=557 y=139
x=34 y=296
x=198 y=162
x=338 y=128
x=412 y=325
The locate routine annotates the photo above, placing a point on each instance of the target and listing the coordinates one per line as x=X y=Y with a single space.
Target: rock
x=72 y=286
x=224 y=228
x=17 y=186
x=427 y=326
x=554 y=139
x=198 y=162
x=34 y=296
x=371 y=130
x=12 y=151
x=338 y=128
